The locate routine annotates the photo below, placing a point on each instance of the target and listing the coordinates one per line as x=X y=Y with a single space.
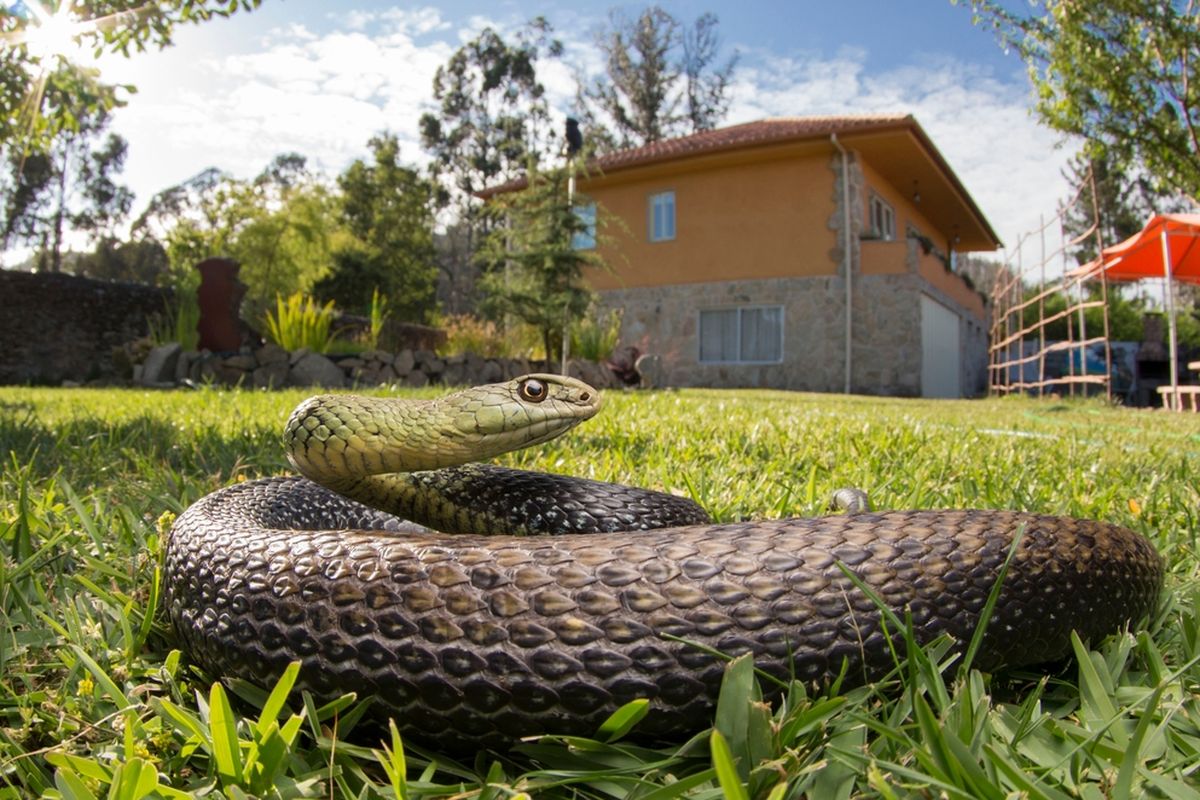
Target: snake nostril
x=585 y=396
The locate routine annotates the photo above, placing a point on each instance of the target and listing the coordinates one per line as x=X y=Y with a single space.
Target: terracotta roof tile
x=749 y=134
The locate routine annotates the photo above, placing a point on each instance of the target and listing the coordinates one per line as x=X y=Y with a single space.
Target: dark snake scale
x=470 y=640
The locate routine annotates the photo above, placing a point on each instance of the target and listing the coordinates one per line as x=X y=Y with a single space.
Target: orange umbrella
x=1143 y=254
x=1167 y=247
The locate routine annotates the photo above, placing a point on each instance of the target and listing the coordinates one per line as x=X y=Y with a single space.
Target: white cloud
x=981 y=124
x=324 y=93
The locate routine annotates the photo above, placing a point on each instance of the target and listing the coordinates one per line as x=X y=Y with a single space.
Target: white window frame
x=882 y=218
x=740 y=310
x=585 y=239
x=667 y=201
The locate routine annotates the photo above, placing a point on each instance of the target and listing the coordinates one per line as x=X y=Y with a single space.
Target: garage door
x=941 y=353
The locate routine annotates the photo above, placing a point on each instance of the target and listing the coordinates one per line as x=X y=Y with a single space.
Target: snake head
x=524 y=411
x=332 y=438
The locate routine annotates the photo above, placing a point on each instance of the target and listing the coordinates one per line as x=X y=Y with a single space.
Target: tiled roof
x=749 y=134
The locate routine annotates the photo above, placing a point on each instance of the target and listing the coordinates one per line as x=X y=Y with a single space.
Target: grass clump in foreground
x=94 y=702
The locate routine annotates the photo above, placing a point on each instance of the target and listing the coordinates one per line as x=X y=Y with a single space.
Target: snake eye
x=532 y=390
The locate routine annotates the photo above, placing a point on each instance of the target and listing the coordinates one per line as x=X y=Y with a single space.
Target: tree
x=31 y=62
x=492 y=114
x=1122 y=74
x=661 y=80
x=492 y=118
x=706 y=84
x=1124 y=200
x=136 y=261
x=1124 y=316
x=533 y=266
x=286 y=242
x=72 y=184
x=387 y=209
x=281 y=227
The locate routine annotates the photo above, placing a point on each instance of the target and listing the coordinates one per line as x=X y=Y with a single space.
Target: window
x=747 y=335
x=662 y=217
x=585 y=239
x=883 y=219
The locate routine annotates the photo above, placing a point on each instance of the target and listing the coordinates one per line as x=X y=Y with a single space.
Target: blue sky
x=320 y=78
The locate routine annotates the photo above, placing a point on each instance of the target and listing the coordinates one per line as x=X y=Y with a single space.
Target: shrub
x=178 y=322
x=300 y=322
x=376 y=317
x=468 y=334
x=594 y=338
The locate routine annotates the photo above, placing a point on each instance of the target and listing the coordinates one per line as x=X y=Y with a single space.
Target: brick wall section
x=61 y=327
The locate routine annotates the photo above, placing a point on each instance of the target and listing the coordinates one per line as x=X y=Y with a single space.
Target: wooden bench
x=1187 y=397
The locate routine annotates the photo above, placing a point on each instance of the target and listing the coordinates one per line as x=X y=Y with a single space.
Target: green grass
x=95 y=702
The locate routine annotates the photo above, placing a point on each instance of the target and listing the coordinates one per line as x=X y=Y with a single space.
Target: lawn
x=94 y=700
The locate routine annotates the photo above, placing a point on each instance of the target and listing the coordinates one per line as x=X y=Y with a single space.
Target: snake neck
x=485 y=499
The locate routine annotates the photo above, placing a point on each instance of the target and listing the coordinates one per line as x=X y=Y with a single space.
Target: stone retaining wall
x=271 y=366
x=56 y=328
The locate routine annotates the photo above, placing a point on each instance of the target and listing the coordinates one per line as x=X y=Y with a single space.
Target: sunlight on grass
x=95 y=701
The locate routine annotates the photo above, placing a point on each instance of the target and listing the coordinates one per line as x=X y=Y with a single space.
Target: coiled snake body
x=479 y=639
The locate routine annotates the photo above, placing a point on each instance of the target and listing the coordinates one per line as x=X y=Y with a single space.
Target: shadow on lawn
x=90 y=450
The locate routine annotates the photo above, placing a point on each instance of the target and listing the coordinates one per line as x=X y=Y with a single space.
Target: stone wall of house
x=56 y=328
x=886 y=357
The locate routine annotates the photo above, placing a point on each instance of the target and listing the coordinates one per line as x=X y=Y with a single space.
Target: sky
x=320 y=78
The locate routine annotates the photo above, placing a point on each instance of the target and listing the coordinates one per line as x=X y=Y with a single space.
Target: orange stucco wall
x=889 y=258
x=935 y=272
x=744 y=220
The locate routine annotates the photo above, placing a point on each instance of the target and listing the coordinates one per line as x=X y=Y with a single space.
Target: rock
x=598 y=376
x=272 y=375
x=376 y=355
x=297 y=355
x=404 y=362
x=242 y=362
x=623 y=363
x=314 y=369
x=183 y=365
x=651 y=374
x=416 y=378
x=194 y=368
x=270 y=354
x=455 y=374
x=429 y=363
x=160 y=364
x=491 y=372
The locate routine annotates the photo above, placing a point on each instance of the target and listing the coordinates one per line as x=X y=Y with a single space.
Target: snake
x=479 y=604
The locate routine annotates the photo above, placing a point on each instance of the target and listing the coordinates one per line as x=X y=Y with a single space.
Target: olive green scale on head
x=331 y=437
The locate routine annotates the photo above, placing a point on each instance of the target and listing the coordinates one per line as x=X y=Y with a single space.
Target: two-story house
x=808 y=253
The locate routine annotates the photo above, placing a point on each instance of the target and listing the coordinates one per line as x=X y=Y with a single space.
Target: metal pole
x=1103 y=281
x=846 y=258
x=1170 y=296
x=566 y=340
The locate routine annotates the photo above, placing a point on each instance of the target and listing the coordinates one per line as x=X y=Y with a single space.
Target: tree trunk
x=61 y=211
